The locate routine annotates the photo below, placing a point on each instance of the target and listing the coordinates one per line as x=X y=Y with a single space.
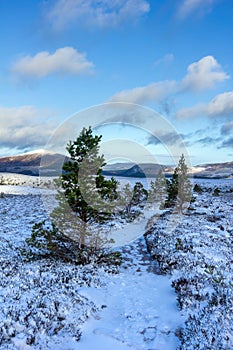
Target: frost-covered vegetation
x=7 y=179
x=198 y=255
x=40 y=301
x=47 y=303
x=58 y=270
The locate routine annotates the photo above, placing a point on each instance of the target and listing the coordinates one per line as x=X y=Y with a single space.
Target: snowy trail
x=139 y=309
x=132 y=231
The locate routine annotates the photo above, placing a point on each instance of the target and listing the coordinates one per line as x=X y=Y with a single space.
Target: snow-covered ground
x=139 y=307
x=198 y=255
x=26 y=180
x=48 y=304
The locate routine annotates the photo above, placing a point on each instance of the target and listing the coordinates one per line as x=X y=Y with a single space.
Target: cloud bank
x=102 y=14
x=201 y=75
x=220 y=105
x=65 y=60
x=24 y=127
x=227 y=129
x=169 y=138
x=152 y=92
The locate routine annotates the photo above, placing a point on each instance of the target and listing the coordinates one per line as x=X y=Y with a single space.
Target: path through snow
x=137 y=306
x=139 y=309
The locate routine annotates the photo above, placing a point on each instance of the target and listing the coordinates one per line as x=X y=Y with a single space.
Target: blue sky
x=60 y=57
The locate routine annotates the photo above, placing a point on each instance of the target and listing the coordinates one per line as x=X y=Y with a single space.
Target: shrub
x=197 y=188
x=50 y=242
x=216 y=192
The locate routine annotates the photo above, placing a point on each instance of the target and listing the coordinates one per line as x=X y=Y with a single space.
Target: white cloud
x=166 y=59
x=24 y=127
x=65 y=60
x=152 y=92
x=203 y=74
x=102 y=13
x=188 y=7
x=191 y=112
x=220 y=105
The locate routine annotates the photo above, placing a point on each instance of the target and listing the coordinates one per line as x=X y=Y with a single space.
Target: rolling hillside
x=49 y=164
x=33 y=163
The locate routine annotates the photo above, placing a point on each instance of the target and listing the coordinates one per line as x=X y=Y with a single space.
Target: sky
x=147 y=63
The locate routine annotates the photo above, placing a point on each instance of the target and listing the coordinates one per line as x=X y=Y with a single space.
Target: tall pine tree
x=86 y=197
x=179 y=187
x=158 y=191
x=85 y=200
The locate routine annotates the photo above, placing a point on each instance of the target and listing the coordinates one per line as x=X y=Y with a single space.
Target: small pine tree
x=126 y=197
x=84 y=188
x=158 y=190
x=216 y=192
x=179 y=187
x=132 y=197
x=85 y=200
x=140 y=194
x=198 y=189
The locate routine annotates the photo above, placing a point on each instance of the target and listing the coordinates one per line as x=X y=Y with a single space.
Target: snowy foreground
x=53 y=305
x=198 y=255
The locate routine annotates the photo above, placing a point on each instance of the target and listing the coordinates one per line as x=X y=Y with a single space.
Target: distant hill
x=215 y=170
x=30 y=163
x=136 y=170
x=49 y=164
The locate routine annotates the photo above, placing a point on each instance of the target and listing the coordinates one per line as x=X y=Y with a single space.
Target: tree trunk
x=83 y=232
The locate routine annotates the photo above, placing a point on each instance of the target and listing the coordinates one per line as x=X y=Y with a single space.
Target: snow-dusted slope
x=198 y=254
x=47 y=304
x=17 y=180
x=32 y=163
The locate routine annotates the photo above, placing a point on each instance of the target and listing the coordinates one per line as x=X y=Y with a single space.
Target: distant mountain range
x=49 y=164
x=136 y=170
x=217 y=170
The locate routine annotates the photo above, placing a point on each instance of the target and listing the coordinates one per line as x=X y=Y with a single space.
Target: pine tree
x=179 y=187
x=135 y=196
x=85 y=201
x=126 y=197
x=158 y=190
x=139 y=194
x=88 y=194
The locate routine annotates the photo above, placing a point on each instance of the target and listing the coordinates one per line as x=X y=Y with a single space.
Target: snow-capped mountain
x=32 y=163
